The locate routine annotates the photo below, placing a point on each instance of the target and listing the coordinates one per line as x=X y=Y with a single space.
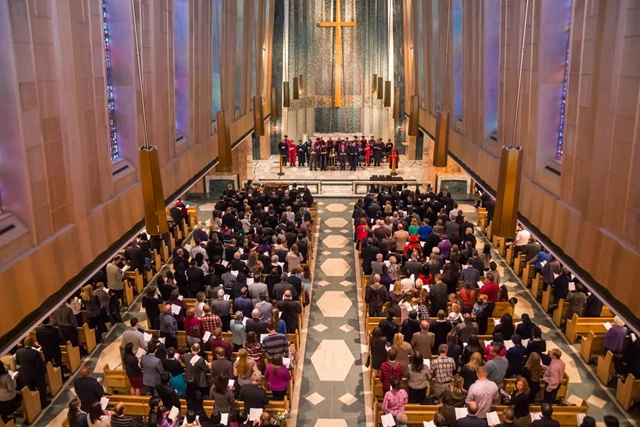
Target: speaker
x=258 y=116
x=414 y=115
x=380 y=88
x=387 y=93
x=296 y=89
x=274 y=103
x=396 y=105
x=374 y=84
x=286 y=101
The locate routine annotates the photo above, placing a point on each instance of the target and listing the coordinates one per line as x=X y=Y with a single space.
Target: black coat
x=31 y=364
x=89 y=391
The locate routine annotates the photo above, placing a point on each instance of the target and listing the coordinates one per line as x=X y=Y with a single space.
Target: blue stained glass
x=560 y=144
x=216 y=96
x=111 y=108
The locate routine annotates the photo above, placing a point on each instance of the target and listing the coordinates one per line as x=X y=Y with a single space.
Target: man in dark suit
x=166 y=393
x=88 y=389
x=280 y=288
x=32 y=369
x=195 y=276
x=369 y=252
x=50 y=340
x=471 y=420
x=151 y=368
x=546 y=421
x=255 y=324
x=290 y=311
x=196 y=370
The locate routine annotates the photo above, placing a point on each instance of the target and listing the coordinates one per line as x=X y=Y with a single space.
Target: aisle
x=332 y=392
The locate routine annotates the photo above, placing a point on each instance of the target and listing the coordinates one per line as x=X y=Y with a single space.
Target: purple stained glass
x=113 y=130
x=559 y=145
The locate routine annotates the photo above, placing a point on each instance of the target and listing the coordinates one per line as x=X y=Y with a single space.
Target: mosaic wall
x=311 y=53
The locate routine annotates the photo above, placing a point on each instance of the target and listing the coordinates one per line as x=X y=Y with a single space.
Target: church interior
x=313 y=213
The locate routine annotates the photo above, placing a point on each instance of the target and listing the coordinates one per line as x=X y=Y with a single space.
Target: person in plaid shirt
x=390 y=369
x=442 y=370
x=209 y=320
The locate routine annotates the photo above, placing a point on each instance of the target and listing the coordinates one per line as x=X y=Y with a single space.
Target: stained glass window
x=436 y=55
x=216 y=95
x=420 y=90
x=181 y=65
x=239 y=54
x=563 y=102
x=491 y=67
x=111 y=107
x=457 y=59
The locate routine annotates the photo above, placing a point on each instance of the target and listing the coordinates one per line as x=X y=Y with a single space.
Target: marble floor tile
x=335 y=222
x=332 y=360
x=335 y=267
x=315 y=398
x=335 y=241
x=320 y=327
x=322 y=283
x=334 y=304
x=348 y=399
x=346 y=328
x=346 y=283
x=329 y=422
x=336 y=207
x=596 y=401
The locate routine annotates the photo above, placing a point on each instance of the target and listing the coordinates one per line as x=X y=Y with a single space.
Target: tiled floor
x=332 y=389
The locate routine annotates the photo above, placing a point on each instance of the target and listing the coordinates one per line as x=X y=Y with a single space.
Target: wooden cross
x=337 y=62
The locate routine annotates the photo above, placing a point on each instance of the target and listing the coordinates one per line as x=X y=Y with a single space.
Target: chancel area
x=313 y=213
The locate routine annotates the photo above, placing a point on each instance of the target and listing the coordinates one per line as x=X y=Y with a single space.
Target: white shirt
x=522 y=238
x=199 y=250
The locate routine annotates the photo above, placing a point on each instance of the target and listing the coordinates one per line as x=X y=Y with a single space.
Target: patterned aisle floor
x=332 y=392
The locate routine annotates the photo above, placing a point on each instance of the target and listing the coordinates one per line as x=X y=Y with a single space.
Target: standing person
x=353 y=156
x=132 y=369
x=553 y=375
x=302 y=155
x=314 y=156
x=483 y=392
x=342 y=153
x=378 y=147
x=394 y=158
x=76 y=417
x=520 y=400
x=134 y=336
x=88 y=389
x=115 y=276
x=278 y=377
x=32 y=369
x=48 y=338
x=453 y=397
x=150 y=302
x=222 y=395
x=394 y=399
x=390 y=369
x=442 y=370
x=252 y=395
x=418 y=378
x=196 y=371
x=63 y=318
x=291 y=149
x=94 y=312
x=9 y=399
x=283 y=151
x=151 y=368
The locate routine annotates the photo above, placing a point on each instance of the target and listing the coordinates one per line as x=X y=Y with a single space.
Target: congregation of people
x=249 y=276
x=435 y=294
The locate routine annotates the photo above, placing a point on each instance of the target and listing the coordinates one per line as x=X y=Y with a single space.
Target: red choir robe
x=292 y=150
x=368 y=150
x=394 y=155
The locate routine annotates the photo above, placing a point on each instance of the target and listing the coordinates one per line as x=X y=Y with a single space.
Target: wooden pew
x=128 y=292
x=116 y=380
x=546 y=299
x=518 y=264
x=30 y=404
x=580 y=326
x=157 y=260
x=565 y=415
x=592 y=344
x=138 y=406
x=136 y=279
x=606 y=312
x=416 y=414
x=54 y=378
x=482 y=219
x=561 y=312
x=509 y=255
x=536 y=286
x=71 y=356
x=87 y=337
x=164 y=251
x=499 y=244
x=527 y=273
x=503 y=308
x=628 y=391
x=11 y=423
x=605 y=370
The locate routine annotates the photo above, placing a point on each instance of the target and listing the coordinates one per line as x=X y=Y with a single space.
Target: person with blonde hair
x=403 y=350
x=395 y=298
x=455 y=316
x=469 y=371
x=94 y=311
x=453 y=397
x=244 y=367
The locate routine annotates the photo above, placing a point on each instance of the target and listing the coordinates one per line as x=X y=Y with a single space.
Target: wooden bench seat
x=592 y=345
x=417 y=414
x=138 y=406
x=518 y=264
x=605 y=369
x=580 y=326
x=71 y=356
x=628 y=391
x=561 y=312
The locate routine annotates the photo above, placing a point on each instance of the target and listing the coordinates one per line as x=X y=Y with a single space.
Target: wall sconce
x=275 y=128
x=400 y=129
